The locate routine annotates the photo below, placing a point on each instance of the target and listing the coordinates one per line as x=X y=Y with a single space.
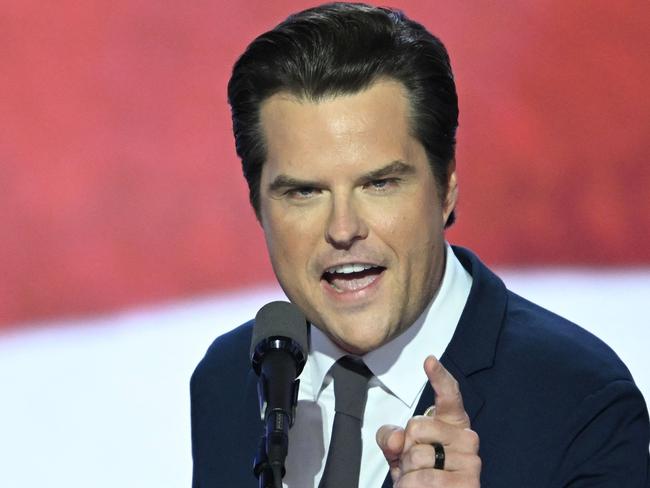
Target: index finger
x=449 y=401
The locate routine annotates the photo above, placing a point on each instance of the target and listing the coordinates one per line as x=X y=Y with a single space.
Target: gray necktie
x=350 y=392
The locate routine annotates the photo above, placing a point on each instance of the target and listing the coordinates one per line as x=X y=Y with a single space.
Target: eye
x=302 y=193
x=382 y=184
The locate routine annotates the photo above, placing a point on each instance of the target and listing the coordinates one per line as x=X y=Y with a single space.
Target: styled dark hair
x=342 y=48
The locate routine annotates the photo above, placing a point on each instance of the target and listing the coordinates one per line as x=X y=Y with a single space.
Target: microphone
x=279 y=349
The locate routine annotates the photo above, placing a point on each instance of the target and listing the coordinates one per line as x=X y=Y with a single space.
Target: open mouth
x=352 y=277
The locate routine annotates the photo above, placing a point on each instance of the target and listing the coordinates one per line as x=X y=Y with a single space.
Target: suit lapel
x=473 y=345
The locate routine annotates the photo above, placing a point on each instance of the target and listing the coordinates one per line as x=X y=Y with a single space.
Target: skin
x=345 y=182
x=409 y=452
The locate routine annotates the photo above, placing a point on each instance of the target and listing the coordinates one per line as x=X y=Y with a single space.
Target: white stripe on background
x=104 y=403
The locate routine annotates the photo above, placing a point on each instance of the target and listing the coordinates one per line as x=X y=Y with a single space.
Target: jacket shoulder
x=224 y=407
x=555 y=347
x=226 y=357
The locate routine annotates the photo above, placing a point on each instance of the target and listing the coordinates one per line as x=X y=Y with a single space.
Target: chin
x=356 y=349
x=360 y=344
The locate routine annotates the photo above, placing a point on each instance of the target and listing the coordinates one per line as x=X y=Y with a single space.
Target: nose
x=345 y=224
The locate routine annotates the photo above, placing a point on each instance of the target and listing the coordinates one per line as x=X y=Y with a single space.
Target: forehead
x=368 y=126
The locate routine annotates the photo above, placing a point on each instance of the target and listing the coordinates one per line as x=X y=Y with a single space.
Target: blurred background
x=127 y=243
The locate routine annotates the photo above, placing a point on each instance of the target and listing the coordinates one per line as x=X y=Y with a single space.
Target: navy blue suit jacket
x=552 y=404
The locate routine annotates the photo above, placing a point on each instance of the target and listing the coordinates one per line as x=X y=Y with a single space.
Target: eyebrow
x=284 y=181
x=395 y=168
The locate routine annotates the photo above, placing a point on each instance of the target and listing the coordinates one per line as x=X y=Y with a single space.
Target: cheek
x=408 y=229
x=278 y=241
x=288 y=243
x=416 y=237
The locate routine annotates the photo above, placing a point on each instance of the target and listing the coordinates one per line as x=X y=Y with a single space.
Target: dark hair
x=342 y=48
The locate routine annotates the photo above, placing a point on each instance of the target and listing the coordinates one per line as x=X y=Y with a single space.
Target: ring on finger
x=430 y=412
x=439 y=462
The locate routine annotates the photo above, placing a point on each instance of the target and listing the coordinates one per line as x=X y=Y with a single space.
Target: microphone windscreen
x=280 y=319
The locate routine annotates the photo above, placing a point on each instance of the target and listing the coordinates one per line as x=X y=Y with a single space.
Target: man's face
x=351 y=213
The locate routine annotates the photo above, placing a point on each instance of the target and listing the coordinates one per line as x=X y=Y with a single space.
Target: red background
x=119 y=184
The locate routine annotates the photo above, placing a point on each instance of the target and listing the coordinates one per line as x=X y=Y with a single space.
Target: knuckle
x=420 y=456
x=472 y=439
x=417 y=426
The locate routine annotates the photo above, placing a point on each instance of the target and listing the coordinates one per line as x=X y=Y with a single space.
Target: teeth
x=350 y=268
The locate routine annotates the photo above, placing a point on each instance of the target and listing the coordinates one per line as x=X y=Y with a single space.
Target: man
x=345 y=118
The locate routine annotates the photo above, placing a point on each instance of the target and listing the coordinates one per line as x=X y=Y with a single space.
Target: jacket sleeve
x=608 y=440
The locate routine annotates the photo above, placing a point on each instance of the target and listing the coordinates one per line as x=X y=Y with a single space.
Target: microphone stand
x=262 y=469
x=273 y=447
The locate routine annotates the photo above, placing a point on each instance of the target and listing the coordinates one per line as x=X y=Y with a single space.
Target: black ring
x=440 y=456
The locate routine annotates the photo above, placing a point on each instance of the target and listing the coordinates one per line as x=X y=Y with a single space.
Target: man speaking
x=345 y=117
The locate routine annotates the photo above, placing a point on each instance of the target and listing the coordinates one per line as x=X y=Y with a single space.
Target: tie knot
x=351 y=378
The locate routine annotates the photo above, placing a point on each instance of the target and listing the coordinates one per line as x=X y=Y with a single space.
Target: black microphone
x=278 y=354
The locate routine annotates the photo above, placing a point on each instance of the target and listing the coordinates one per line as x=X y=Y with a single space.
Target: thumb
x=390 y=439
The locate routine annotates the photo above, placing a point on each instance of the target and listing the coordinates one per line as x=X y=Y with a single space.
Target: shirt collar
x=398 y=364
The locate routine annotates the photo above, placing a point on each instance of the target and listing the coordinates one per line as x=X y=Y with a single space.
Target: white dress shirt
x=393 y=393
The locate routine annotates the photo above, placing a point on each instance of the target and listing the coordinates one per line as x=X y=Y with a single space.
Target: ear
x=452 y=192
